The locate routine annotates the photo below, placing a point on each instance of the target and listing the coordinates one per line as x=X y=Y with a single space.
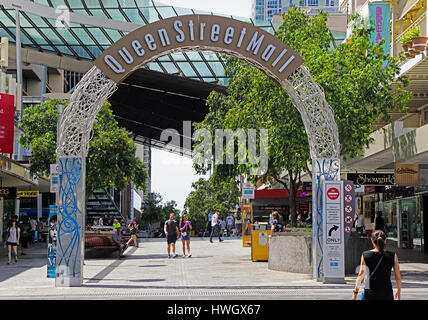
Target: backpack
x=238 y=216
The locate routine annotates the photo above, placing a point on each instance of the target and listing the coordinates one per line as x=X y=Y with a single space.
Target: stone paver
x=216 y=271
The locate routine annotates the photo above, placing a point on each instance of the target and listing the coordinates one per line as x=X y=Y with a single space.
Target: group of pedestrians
x=117 y=236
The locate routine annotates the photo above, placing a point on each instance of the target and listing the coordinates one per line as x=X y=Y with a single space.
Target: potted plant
x=418 y=43
x=405 y=42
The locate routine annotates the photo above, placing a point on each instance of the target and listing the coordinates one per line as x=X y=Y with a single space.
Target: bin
x=259 y=245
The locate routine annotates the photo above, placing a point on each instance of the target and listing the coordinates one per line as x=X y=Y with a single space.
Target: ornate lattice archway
x=184 y=33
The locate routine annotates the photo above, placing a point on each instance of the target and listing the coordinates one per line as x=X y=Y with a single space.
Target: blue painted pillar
x=71 y=222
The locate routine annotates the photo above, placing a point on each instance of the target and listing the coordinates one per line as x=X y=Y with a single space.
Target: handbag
x=362 y=294
x=184 y=233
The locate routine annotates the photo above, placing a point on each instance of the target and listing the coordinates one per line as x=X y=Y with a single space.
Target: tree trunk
x=292 y=203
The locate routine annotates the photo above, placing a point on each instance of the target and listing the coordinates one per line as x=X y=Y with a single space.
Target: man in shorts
x=171 y=231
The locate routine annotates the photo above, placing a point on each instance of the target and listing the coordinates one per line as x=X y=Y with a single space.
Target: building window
x=312 y=3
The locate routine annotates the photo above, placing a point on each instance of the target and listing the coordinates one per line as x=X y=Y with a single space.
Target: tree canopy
x=111 y=161
x=352 y=76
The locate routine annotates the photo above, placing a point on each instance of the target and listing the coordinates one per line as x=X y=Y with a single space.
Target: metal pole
x=44 y=80
x=18 y=94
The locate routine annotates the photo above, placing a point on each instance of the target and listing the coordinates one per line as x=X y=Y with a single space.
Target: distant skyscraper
x=266 y=9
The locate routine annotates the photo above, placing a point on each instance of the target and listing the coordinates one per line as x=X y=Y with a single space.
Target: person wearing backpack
x=13 y=234
x=376 y=266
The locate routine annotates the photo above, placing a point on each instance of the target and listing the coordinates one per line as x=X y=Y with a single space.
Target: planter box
x=291 y=252
x=419 y=43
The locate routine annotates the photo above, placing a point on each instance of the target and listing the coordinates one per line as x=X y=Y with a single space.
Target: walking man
x=215 y=226
x=229 y=223
x=171 y=231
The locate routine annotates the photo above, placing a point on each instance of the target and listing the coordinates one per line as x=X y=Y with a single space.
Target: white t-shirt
x=214 y=219
x=229 y=220
x=13 y=233
x=33 y=224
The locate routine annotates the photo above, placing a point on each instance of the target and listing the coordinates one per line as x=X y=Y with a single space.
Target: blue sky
x=172 y=175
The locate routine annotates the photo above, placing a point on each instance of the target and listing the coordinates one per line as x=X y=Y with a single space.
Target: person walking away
x=25 y=234
x=33 y=226
x=185 y=228
x=209 y=228
x=39 y=230
x=13 y=234
x=379 y=223
x=229 y=224
x=116 y=240
x=359 y=223
x=376 y=266
x=171 y=231
x=133 y=227
x=215 y=226
x=222 y=226
x=277 y=223
x=238 y=223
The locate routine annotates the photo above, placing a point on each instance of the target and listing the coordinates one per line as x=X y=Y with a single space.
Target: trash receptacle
x=259 y=245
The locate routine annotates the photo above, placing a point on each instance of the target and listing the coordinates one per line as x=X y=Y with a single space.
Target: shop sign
x=27 y=194
x=256 y=46
x=406 y=173
x=8 y=192
x=333 y=232
x=7 y=124
x=372 y=179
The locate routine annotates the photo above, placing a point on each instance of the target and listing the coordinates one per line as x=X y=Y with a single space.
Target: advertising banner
x=380 y=14
x=247 y=223
x=54 y=175
x=7 y=124
x=333 y=236
x=52 y=240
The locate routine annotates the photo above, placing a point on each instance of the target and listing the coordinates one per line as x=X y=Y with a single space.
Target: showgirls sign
x=380 y=13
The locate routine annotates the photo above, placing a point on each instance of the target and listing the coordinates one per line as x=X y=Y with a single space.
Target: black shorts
x=13 y=244
x=171 y=239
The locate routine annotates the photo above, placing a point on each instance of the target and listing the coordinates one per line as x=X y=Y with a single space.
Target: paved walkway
x=215 y=271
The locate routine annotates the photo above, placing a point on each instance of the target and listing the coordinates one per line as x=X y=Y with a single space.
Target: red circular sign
x=333 y=193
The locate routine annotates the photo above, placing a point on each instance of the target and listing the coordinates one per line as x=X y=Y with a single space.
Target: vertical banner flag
x=380 y=13
x=52 y=239
x=7 y=125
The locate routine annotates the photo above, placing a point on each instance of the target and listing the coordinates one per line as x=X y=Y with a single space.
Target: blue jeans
x=215 y=228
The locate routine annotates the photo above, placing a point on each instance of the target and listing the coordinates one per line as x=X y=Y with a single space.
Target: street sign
x=247 y=191
x=333 y=232
x=349 y=190
x=54 y=178
x=27 y=194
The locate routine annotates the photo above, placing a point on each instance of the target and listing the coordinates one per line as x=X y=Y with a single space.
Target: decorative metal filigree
x=79 y=116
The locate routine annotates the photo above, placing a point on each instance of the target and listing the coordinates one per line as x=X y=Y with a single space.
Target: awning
x=410 y=4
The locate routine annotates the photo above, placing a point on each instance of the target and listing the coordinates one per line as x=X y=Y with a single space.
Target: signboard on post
x=349 y=207
x=333 y=239
x=54 y=178
x=247 y=191
x=7 y=124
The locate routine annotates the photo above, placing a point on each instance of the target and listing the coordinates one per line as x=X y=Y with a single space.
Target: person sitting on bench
x=117 y=241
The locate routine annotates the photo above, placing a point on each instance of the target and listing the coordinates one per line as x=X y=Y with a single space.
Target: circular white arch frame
x=184 y=33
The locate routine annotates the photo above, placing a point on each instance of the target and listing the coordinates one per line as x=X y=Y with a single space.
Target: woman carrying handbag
x=378 y=264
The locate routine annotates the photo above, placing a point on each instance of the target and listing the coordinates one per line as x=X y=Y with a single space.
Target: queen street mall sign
x=205 y=32
x=372 y=179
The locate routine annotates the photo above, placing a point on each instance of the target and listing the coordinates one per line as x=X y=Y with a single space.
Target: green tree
x=111 y=161
x=356 y=86
x=208 y=196
x=151 y=208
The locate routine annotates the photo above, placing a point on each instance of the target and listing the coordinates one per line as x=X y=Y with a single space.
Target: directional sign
x=349 y=219
x=334 y=234
x=334 y=228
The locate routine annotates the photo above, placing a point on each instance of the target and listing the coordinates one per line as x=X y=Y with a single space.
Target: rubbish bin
x=259 y=245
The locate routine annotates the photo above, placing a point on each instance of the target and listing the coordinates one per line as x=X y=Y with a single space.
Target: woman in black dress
x=379 y=263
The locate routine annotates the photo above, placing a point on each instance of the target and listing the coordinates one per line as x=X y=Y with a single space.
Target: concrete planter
x=291 y=252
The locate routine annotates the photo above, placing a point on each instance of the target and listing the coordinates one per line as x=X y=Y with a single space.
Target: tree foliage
x=208 y=196
x=111 y=161
x=355 y=84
